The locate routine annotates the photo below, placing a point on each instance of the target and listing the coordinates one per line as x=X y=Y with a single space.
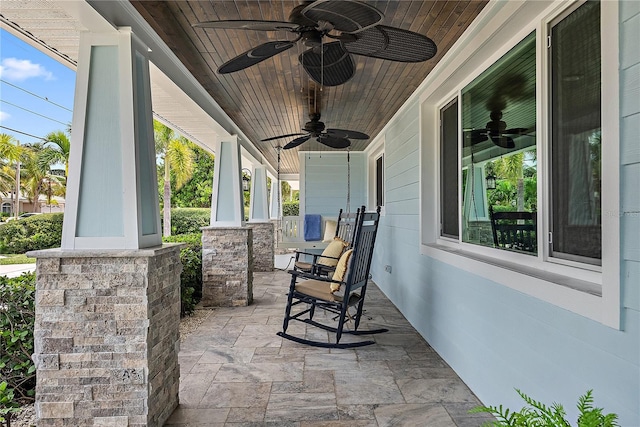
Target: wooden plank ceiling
x=275 y=97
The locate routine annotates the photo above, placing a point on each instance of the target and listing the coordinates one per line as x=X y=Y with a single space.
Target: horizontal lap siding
x=498 y=339
x=630 y=159
x=326 y=182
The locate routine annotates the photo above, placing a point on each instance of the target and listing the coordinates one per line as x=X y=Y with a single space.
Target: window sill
x=579 y=296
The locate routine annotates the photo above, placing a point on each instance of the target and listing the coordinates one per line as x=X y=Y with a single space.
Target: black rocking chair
x=316 y=290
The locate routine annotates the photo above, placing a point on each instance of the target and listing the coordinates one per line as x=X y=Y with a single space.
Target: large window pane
x=575 y=136
x=449 y=170
x=499 y=167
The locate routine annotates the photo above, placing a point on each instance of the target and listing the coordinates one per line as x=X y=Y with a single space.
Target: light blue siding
x=496 y=338
x=326 y=182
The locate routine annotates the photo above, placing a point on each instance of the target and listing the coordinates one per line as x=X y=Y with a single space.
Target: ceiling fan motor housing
x=314 y=126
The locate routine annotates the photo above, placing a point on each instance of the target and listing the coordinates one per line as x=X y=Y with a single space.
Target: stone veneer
x=107 y=336
x=227 y=266
x=263 y=246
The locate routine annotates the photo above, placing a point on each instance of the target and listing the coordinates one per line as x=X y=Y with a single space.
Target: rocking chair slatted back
x=346 y=225
x=360 y=264
x=514 y=231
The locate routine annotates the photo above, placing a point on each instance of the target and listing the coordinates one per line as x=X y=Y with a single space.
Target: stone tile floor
x=235 y=371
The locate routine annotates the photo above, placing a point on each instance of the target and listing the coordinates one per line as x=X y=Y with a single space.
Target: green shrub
x=189 y=220
x=191 y=277
x=291 y=208
x=17 y=315
x=32 y=233
x=538 y=414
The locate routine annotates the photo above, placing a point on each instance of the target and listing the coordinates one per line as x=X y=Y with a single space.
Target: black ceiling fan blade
x=282 y=136
x=332 y=68
x=254 y=56
x=348 y=16
x=349 y=134
x=297 y=142
x=502 y=140
x=247 y=24
x=476 y=136
x=391 y=43
x=333 y=142
x=516 y=131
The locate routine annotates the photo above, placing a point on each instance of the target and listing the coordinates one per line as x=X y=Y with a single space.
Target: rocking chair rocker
x=349 y=291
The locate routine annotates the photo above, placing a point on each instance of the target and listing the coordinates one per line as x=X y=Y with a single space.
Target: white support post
x=258 y=207
x=112 y=200
x=227 y=207
x=276 y=200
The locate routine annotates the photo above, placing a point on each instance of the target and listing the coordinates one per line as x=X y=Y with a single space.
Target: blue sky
x=25 y=69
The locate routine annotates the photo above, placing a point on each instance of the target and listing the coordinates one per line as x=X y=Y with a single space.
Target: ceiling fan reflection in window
x=496 y=131
x=507 y=88
x=355 y=27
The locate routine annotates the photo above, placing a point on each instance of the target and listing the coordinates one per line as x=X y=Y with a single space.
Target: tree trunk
x=520 y=195
x=166 y=216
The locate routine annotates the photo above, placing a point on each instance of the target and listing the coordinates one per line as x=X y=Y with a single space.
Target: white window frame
x=591 y=291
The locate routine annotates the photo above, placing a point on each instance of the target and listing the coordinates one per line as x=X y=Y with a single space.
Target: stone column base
x=107 y=336
x=263 y=246
x=227 y=266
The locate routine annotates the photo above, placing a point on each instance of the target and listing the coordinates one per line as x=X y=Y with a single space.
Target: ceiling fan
x=496 y=131
x=334 y=138
x=353 y=24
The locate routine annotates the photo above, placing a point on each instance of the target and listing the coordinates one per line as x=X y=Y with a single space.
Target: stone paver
x=235 y=371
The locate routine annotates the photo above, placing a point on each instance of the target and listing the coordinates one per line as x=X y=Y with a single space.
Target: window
x=536 y=104
x=380 y=181
x=499 y=146
x=575 y=223
x=449 y=170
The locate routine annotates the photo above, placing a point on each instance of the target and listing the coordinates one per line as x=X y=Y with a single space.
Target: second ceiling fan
x=353 y=24
x=334 y=138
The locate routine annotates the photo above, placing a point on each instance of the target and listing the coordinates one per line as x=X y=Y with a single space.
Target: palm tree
x=10 y=153
x=38 y=179
x=511 y=169
x=56 y=151
x=177 y=155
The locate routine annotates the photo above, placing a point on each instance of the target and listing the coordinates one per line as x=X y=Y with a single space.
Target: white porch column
x=112 y=196
x=227 y=245
x=227 y=208
x=108 y=301
x=259 y=206
x=276 y=200
x=263 y=238
x=475 y=197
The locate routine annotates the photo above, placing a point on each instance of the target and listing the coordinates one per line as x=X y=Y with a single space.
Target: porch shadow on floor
x=235 y=371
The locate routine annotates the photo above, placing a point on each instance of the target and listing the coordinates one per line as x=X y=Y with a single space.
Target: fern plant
x=537 y=414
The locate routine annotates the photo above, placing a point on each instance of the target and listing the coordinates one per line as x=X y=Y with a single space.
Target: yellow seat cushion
x=341 y=270
x=318 y=289
x=334 y=250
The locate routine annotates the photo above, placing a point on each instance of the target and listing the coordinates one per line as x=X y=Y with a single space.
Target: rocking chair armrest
x=315 y=256
x=313 y=276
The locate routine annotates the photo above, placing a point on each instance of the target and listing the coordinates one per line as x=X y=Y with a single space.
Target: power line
x=36 y=95
x=23 y=133
x=37 y=114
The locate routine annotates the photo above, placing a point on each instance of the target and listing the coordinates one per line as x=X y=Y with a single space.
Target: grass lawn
x=8 y=259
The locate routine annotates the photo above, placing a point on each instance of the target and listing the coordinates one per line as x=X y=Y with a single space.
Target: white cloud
x=21 y=69
x=4 y=116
